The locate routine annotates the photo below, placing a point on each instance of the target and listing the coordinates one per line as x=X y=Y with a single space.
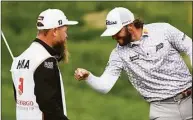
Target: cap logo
x=40 y=17
x=126 y=22
x=60 y=22
x=110 y=22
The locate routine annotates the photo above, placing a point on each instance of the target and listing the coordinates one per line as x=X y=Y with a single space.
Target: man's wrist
x=89 y=77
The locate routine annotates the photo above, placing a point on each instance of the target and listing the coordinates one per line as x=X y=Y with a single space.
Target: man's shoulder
x=49 y=63
x=35 y=55
x=157 y=28
x=35 y=51
x=157 y=25
x=114 y=52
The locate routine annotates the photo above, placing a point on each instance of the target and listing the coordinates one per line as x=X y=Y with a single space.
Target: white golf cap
x=52 y=18
x=116 y=19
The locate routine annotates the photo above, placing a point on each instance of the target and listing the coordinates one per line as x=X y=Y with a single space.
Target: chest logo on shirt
x=159 y=46
x=49 y=65
x=135 y=57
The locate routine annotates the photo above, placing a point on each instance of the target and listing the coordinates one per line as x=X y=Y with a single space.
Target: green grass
x=88 y=50
x=83 y=103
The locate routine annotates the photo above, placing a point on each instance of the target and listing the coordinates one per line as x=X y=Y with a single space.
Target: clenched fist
x=81 y=74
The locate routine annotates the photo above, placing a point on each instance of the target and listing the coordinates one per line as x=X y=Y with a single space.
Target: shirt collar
x=145 y=33
x=48 y=48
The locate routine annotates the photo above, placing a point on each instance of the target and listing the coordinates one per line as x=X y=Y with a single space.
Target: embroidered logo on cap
x=60 y=22
x=126 y=22
x=110 y=22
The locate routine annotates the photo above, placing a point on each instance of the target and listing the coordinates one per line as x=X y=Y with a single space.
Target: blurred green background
x=88 y=50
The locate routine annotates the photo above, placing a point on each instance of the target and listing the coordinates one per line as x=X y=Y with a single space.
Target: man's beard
x=59 y=49
x=127 y=39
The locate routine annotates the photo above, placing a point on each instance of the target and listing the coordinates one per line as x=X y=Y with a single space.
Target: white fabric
x=53 y=18
x=116 y=19
x=63 y=95
x=102 y=84
x=180 y=41
x=153 y=64
x=27 y=107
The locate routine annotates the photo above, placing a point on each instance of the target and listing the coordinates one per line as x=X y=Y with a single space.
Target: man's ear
x=54 y=31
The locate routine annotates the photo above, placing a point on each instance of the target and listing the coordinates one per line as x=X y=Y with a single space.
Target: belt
x=186 y=93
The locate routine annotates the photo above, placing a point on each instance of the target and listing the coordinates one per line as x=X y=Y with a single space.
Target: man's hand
x=81 y=74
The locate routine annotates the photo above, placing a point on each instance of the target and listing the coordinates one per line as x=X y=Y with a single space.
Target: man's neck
x=45 y=40
x=138 y=34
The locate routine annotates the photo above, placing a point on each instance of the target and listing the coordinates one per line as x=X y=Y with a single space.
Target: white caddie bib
x=22 y=69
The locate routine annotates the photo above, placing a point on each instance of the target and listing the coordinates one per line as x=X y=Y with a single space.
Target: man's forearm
x=102 y=84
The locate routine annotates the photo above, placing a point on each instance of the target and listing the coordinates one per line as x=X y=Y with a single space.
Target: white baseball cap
x=116 y=19
x=52 y=18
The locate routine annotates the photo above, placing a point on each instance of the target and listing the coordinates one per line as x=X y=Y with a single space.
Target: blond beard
x=66 y=53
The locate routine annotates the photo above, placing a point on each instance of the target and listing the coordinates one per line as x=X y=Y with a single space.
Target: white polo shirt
x=153 y=64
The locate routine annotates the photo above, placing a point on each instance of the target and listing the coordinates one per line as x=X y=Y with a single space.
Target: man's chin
x=123 y=44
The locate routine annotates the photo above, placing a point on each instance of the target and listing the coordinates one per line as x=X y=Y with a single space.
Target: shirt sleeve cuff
x=90 y=77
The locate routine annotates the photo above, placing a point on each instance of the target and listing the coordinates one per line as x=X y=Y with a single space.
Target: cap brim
x=71 y=23
x=111 y=31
